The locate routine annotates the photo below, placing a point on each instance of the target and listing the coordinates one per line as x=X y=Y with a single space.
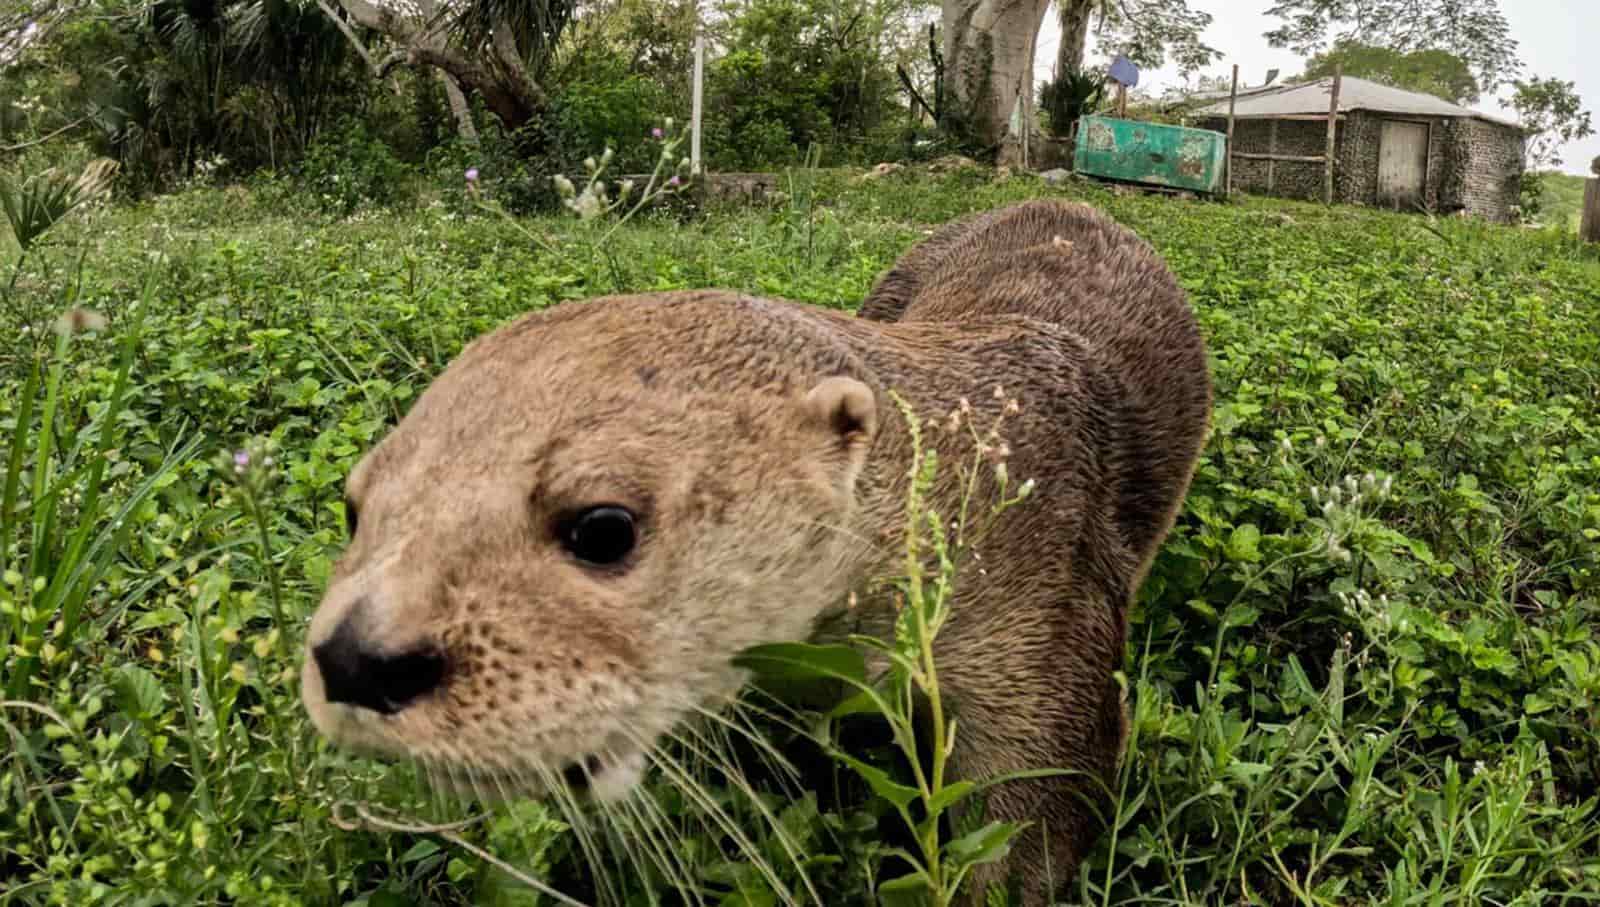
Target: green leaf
x=1248 y=772
x=387 y=898
x=1244 y=543
x=1203 y=607
x=139 y=693
x=157 y=618
x=1241 y=615
x=419 y=850
x=951 y=794
x=860 y=704
x=880 y=782
x=498 y=888
x=804 y=661
x=910 y=890
x=986 y=845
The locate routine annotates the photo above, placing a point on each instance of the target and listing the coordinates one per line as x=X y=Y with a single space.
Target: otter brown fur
x=476 y=624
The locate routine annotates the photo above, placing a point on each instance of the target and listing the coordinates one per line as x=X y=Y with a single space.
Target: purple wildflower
x=472 y=174
x=241 y=458
x=657 y=133
x=674 y=181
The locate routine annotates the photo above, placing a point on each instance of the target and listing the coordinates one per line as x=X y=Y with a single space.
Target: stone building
x=1393 y=148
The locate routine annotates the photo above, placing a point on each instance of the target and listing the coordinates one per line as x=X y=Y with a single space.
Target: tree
x=1474 y=30
x=168 y=86
x=987 y=63
x=791 y=73
x=1436 y=72
x=1147 y=31
x=497 y=49
x=1553 y=115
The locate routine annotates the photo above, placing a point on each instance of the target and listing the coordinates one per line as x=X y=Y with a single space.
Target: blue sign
x=1124 y=72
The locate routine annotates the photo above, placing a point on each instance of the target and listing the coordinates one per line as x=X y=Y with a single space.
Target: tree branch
x=916 y=97
x=7 y=149
x=349 y=34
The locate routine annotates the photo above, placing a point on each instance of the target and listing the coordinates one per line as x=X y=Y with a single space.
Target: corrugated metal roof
x=1354 y=94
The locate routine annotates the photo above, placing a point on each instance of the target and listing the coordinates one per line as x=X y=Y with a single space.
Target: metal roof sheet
x=1354 y=94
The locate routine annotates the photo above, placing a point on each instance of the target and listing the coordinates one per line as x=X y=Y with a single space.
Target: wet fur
x=1118 y=395
x=734 y=426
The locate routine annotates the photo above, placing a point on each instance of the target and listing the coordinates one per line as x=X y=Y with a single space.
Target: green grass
x=1393 y=700
x=1562 y=202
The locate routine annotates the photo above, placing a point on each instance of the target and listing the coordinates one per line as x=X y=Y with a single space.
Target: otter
x=557 y=553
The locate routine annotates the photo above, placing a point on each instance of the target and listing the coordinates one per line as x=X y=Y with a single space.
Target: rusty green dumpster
x=1155 y=154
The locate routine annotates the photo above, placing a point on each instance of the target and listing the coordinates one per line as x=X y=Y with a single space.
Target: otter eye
x=350 y=517
x=600 y=535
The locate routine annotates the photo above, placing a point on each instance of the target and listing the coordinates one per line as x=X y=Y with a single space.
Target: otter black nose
x=354 y=672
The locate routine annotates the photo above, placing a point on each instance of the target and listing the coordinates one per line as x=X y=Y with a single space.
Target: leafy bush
x=350 y=169
x=613 y=109
x=1068 y=97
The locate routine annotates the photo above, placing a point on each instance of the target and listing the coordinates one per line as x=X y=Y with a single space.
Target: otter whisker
x=691 y=788
x=866 y=542
x=457 y=786
x=615 y=825
x=476 y=769
x=636 y=829
x=431 y=785
x=654 y=821
x=578 y=821
x=776 y=713
x=593 y=841
x=771 y=757
x=736 y=779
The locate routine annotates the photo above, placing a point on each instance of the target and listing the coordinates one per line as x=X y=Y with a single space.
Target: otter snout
x=356 y=671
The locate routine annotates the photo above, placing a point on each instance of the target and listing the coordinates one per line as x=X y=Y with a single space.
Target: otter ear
x=847 y=411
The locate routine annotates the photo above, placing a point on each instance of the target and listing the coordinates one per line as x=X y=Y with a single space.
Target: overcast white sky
x=1558 y=38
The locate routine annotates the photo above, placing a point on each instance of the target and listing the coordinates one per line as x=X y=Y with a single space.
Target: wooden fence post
x=1333 y=125
x=1233 y=99
x=1272 y=149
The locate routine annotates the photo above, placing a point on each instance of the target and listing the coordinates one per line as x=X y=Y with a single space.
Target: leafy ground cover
x=1366 y=667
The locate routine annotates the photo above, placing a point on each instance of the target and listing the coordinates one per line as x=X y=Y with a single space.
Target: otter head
x=556 y=554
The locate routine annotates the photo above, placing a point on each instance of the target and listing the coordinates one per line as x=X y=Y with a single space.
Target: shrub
x=347 y=168
x=611 y=109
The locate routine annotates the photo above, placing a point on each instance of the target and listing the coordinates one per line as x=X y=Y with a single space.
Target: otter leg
x=1065 y=814
x=1044 y=704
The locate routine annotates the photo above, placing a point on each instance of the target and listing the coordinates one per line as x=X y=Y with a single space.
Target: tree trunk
x=1075 y=16
x=498 y=77
x=988 y=60
x=459 y=108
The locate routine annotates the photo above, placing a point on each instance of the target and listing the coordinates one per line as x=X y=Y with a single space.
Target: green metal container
x=1176 y=157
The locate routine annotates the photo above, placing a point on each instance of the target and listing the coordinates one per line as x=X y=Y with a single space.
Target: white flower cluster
x=1341 y=503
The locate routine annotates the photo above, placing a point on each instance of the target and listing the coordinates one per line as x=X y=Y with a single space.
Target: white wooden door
x=1402 y=164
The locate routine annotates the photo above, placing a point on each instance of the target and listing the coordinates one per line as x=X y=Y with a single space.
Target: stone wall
x=1484 y=173
x=1473 y=165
